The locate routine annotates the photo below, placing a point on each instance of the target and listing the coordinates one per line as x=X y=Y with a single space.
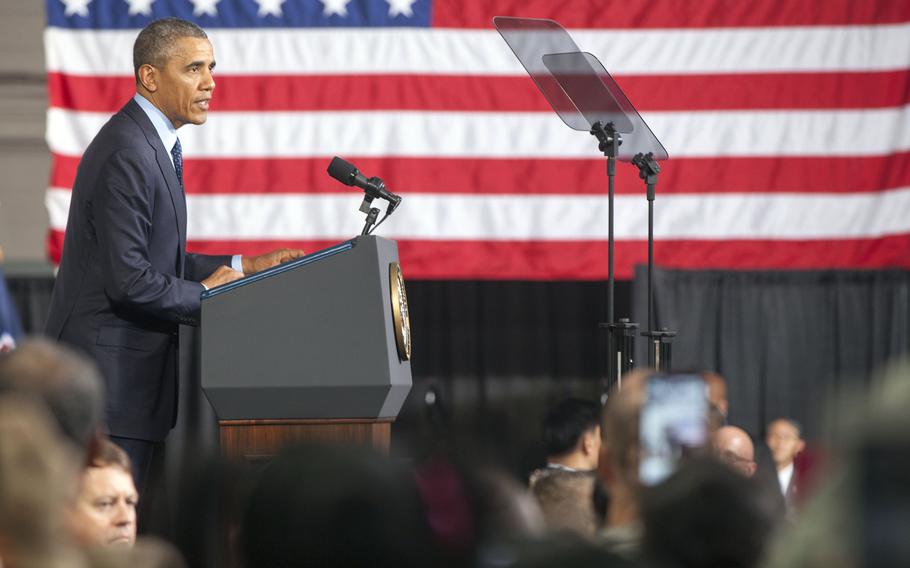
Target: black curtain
x=489 y=355
x=785 y=341
x=31 y=294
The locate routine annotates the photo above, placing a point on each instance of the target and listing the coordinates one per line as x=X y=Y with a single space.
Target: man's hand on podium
x=254 y=264
x=222 y=275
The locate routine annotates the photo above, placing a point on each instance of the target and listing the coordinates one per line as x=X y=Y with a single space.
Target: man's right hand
x=222 y=275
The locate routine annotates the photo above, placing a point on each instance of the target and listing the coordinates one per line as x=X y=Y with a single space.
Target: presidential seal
x=400 y=317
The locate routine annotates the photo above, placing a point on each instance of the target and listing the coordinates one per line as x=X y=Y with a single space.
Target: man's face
x=106 y=508
x=185 y=84
x=784 y=442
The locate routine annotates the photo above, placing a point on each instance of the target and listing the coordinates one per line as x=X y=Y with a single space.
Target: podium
x=314 y=349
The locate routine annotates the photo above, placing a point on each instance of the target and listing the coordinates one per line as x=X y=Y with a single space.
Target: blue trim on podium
x=275 y=270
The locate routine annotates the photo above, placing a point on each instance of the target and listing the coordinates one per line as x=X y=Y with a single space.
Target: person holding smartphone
x=649 y=425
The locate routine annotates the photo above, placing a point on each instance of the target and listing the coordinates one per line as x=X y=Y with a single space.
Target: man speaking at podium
x=125 y=279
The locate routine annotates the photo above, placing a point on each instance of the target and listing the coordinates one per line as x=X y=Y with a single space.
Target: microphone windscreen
x=342 y=171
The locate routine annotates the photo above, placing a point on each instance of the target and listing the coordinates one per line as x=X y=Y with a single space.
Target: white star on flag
x=338 y=7
x=79 y=7
x=206 y=7
x=400 y=8
x=269 y=7
x=143 y=7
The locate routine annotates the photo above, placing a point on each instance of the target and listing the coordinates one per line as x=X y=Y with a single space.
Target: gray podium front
x=307 y=350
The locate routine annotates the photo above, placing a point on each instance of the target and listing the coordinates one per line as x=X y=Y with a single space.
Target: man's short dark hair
x=156 y=41
x=67 y=382
x=110 y=454
x=565 y=423
x=794 y=423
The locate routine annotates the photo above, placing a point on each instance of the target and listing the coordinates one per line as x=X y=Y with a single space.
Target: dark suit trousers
x=148 y=474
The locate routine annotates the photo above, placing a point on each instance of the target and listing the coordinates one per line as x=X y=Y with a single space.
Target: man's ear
x=588 y=441
x=148 y=77
x=800 y=447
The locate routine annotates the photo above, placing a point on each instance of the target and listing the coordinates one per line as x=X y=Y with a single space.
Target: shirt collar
x=561 y=467
x=166 y=131
x=784 y=476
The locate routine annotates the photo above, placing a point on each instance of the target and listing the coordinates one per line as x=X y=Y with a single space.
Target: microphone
x=348 y=174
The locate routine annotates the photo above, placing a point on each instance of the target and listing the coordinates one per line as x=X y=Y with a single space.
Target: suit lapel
x=792 y=486
x=162 y=156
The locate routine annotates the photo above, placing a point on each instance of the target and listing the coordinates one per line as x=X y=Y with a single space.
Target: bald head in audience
x=734 y=447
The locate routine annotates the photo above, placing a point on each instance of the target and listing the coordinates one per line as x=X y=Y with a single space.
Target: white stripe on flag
x=483 y=52
x=511 y=135
x=542 y=217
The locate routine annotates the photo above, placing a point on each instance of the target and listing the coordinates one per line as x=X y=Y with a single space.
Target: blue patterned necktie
x=177 y=154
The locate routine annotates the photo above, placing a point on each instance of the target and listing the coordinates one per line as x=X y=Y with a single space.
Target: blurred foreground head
x=706 y=515
x=37 y=480
x=327 y=506
x=860 y=515
x=65 y=381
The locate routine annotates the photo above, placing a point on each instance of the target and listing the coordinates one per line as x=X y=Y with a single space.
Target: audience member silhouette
x=565 y=488
x=706 y=515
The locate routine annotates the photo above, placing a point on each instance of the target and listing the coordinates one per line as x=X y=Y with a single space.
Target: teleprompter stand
x=588 y=99
x=659 y=341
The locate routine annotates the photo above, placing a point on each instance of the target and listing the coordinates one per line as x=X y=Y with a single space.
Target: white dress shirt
x=168 y=135
x=783 y=477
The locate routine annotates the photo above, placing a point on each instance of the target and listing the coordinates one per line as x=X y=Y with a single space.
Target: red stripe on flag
x=675 y=14
x=538 y=176
x=751 y=91
x=574 y=260
x=536 y=260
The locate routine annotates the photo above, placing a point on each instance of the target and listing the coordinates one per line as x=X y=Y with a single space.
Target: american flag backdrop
x=787 y=123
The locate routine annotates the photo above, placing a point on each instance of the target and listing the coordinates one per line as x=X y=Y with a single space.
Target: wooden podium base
x=258 y=440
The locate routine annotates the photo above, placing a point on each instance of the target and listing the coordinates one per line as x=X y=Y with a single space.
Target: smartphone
x=674 y=423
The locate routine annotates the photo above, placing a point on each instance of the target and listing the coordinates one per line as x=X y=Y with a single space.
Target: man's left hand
x=254 y=264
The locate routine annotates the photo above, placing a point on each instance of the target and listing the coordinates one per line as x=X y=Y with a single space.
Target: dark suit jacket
x=125 y=279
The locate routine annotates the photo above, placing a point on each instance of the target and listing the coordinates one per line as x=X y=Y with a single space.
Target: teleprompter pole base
x=659 y=348
x=620 y=352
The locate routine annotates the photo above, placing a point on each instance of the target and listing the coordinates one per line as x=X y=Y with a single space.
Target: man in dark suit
x=125 y=279
x=785 y=440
